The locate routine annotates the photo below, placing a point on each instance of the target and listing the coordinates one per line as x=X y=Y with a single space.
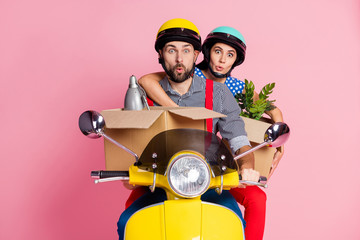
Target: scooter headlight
x=189 y=175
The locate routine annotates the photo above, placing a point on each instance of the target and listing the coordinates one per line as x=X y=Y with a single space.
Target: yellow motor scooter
x=185 y=163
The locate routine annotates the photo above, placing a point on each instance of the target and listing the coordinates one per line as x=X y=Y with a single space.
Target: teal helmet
x=229 y=36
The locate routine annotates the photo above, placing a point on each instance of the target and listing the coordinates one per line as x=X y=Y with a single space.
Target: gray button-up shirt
x=231 y=127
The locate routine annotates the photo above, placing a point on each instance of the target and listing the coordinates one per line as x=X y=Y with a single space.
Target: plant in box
x=253 y=109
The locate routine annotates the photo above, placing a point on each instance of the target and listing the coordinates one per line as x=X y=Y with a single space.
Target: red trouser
x=252 y=198
x=135 y=194
x=254 y=201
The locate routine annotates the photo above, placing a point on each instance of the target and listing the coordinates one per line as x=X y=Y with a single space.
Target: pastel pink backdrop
x=60 y=58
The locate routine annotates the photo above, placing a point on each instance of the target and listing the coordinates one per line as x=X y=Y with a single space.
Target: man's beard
x=179 y=77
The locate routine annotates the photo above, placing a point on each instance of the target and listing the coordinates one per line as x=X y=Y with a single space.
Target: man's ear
x=196 y=54
x=160 y=58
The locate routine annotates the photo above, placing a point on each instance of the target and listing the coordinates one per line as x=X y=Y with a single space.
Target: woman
x=224 y=49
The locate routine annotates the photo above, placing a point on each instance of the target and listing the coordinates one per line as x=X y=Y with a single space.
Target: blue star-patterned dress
x=235 y=85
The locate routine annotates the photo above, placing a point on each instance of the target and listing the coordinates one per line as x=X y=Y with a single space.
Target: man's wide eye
x=230 y=55
x=171 y=51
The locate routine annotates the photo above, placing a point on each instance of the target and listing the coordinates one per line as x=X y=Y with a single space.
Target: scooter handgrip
x=107 y=174
x=261 y=179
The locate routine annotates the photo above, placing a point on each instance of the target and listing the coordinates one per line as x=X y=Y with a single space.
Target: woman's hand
x=277 y=157
x=129 y=186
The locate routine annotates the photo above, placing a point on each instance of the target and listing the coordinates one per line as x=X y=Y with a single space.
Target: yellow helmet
x=178 y=29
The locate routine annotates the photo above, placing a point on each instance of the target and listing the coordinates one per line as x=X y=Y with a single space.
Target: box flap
x=143 y=119
x=117 y=118
x=196 y=113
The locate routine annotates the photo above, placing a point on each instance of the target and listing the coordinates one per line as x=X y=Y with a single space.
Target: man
x=178 y=43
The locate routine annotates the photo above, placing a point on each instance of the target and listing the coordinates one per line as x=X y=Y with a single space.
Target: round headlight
x=189 y=175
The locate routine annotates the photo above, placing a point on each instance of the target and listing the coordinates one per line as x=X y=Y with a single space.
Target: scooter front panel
x=183 y=219
x=147 y=223
x=219 y=222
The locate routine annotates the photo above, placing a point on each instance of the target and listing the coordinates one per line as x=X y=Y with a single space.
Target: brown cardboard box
x=134 y=129
x=263 y=157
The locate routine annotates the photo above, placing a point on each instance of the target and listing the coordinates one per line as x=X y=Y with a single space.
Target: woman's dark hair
x=203 y=65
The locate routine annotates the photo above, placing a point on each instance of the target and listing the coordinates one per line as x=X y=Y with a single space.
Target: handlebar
x=259 y=183
x=107 y=176
x=261 y=179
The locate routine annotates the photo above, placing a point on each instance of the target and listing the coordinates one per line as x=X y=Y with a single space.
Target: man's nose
x=179 y=58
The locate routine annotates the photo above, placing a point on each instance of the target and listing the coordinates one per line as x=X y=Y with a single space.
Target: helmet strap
x=220 y=75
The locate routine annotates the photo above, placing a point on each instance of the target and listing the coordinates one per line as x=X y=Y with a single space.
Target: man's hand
x=277 y=156
x=247 y=161
x=246 y=166
x=249 y=174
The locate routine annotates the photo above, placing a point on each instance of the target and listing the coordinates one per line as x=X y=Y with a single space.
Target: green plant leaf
x=256 y=109
x=266 y=91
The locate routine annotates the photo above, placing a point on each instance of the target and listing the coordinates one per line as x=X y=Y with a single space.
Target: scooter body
x=185 y=163
x=184 y=215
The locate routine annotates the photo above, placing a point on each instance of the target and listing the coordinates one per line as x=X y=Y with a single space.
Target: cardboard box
x=134 y=129
x=263 y=157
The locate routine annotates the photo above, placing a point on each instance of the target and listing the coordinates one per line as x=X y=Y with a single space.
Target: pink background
x=59 y=58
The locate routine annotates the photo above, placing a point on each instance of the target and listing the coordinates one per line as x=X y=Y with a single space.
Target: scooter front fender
x=184 y=219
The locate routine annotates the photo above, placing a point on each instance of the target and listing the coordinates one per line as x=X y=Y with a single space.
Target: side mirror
x=92 y=124
x=275 y=136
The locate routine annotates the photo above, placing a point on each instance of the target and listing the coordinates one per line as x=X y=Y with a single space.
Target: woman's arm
x=150 y=83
